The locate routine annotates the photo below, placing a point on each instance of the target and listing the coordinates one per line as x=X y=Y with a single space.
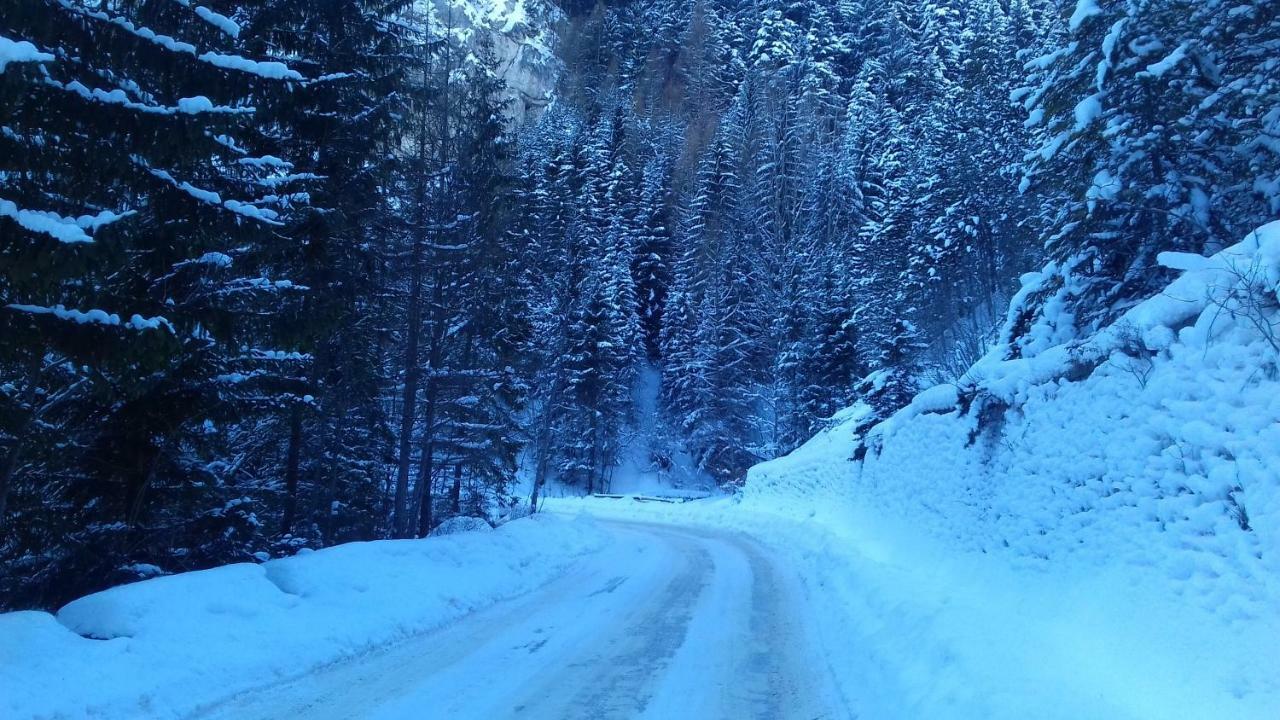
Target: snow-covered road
x=666 y=622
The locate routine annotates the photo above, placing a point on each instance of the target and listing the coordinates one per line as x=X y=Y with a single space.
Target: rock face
x=524 y=38
x=461 y=524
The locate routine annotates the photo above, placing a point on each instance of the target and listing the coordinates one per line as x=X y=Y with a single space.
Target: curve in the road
x=666 y=622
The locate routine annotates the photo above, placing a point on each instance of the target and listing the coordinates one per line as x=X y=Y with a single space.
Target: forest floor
x=666 y=621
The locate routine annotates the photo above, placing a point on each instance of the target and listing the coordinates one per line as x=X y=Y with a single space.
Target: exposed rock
x=524 y=41
x=461 y=524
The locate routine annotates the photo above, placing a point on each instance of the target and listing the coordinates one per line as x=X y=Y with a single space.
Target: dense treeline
x=837 y=198
x=821 y=200
x=257 y=288
x=286 y=273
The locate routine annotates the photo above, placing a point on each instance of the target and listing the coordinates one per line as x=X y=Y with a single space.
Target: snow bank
x=167 y=646
x=1168 y=420
x=1092 y=531
x=1089 y=532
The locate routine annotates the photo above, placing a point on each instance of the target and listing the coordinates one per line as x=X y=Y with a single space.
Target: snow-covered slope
x=1154 y=443
x=1093 y=531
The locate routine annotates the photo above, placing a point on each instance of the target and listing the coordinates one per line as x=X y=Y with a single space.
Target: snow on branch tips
x=19 y=51
x=63 y=229
x=268 y=69
x=94 y=317
x=187 y=106
x=245 y=209
x=222 y=22
x=1085 y=9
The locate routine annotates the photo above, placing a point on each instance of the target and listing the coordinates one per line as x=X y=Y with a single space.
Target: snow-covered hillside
x=1155 y=443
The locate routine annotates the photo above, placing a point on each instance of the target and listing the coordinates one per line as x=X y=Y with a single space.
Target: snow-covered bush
x=461 y=524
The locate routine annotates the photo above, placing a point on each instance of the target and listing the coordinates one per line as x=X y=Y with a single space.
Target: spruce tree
x=143 y=297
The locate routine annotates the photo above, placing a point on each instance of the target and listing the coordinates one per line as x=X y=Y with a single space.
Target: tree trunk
x=435 y=358
x=412 y=372
x=409 y=402
x=542 y=458
x=455 y=493
x=331 y=484
x=291 y=469
x=543 y=451
x=423 y=497
x=595 y=443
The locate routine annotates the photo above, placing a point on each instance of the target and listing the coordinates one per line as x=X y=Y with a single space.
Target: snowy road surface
x=666 y=622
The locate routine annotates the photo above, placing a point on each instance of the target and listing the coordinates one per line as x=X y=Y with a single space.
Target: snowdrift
x=167 y=646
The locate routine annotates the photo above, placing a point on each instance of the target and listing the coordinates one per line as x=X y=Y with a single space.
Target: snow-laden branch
x=94 y=317
x=267 y=69
x=218 y=20
x=238 y=207
x=64 y=229
x=16 y=51
x=186 y=106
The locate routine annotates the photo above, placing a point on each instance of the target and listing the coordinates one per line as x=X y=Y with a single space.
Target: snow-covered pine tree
x=709 y=382
x=1137 y=134
x=140 y=283
x=654 y=248
x=971 y=225
x=828 y=365
x=478 y=377
x=602 y=334
x=340 y=131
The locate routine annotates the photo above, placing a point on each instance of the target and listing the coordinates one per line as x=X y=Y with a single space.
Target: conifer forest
x=280 y=275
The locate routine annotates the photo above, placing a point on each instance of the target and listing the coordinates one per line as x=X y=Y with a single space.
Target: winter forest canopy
x=288 y=273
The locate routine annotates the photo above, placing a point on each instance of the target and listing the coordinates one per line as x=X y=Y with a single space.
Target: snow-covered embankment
x=1093 y=531
x=167 y=646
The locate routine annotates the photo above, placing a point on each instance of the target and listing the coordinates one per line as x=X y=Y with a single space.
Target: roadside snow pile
x=461 y=524
x=168 y=646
